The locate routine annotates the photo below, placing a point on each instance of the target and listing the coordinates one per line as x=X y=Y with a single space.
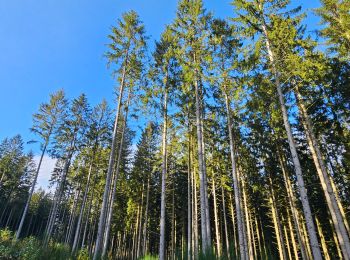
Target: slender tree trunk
x=297 y=167
x=241 y=238
x=59 y=192
x=279 y=238
x=195 y=217
x=82 y=207
x=164 y=171
x=189 y=196
x=173 y=223
x=225 y=223
x=140 y=226
x=294 y=244
x=252 y=233
x=113 y=191
x=292 y=204
x=233 y=225
x=19 y=230
x=336 y=242
x=258 y=237
x=323 y=241
x=105 y=202
x=201 y=162
x=287 y=239
x=216 y=220
x=331 y=199
x=72 y=217
x=207 y=215
x=144 y=235
x=246 y=211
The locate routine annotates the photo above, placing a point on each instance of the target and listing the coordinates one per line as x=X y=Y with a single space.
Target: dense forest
x=244 y=153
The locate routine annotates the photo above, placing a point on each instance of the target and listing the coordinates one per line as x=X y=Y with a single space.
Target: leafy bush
x=30 y=249
x=83 y=254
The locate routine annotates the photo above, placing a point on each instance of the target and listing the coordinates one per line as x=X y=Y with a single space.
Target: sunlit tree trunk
x=247 y=224
x=291 y=231
x=216 y=220
x=164 y=171
x=323 y=241
x=292 y=204
x=297 y=167
x=225 y=223
x=82 y=207
x=195 y=216
x=328 y=190
x=287 y=240
x=233 y=225
x=201 y=161
x=189 y=196
x=116 y=175
x=106 y=193
x=19 y=230
x=277 y=224
x=241 y=236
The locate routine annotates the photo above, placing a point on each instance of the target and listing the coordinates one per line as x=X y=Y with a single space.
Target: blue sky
x=51 y=44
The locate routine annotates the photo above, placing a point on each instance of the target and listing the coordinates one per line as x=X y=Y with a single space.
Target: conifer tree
x=125 y=54
x=192 y=28
x=45 y=125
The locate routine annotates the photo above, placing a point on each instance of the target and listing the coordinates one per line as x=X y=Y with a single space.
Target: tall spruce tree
x=125 y=54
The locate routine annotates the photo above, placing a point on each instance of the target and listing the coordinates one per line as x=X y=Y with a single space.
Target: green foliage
x=335 y=17
x=83 y=254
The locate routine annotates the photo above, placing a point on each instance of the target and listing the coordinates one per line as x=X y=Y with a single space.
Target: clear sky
x=46 y=45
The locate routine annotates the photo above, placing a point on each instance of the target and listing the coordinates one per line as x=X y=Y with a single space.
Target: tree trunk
x=144 y=235
x=19 y=230
x=116 y=175
x=279 y=238
x=189 y=196
x=82 y=207
x=164 y=171
x=241 y=238
x=225 y=223
x=216 y=220
x=59 y=192
x=233 y=225
x=294 y=244
x=287 y=239
x=246 y=212
x=323 y=241
x=292 y=204
x=201 y=162
x=72 y=217
x=297 y=167
x=195 y=216
x=140 y=226
x=105 y=202
x=331 y=199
